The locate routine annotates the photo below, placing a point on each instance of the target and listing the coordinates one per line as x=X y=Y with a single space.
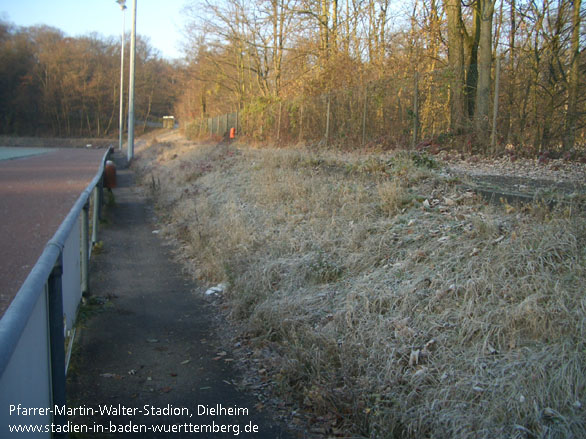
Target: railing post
x=85 y=249
x=96 y=215
x=57 y=343
x=100 y=187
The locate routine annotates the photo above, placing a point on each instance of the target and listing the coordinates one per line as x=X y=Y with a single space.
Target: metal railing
x=41 y=318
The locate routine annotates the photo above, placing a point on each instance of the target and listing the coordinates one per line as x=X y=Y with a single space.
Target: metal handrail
x=15 y=318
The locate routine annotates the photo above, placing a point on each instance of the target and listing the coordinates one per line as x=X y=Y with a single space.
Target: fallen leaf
x=499 y=239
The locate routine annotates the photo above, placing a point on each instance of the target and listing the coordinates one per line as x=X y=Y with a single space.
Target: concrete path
x=148 y=348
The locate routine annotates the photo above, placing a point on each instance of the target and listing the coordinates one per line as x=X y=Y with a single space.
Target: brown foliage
x=51 y=84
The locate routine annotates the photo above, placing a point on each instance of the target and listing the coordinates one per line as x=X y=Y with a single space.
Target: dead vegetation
x=393 y=302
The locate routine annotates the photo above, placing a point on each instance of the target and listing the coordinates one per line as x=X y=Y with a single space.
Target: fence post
x=237 y=127
x=57 y=342
x=495 y=108
x=328 y=121
x=85 y=249
x=100 y=187
x=364 y=116
x=301 y=123
x=415 y=110
x=279 y=121
x=96 y=214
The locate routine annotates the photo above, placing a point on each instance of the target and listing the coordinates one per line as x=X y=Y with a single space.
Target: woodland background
x=280 y=62
x=54 y=85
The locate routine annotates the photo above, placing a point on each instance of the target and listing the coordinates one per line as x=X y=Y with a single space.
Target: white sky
x=160 y=20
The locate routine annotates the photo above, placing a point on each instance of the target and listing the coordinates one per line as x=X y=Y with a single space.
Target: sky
x=159 y=20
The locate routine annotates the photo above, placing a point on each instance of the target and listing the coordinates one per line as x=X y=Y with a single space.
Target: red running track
x=36 y=194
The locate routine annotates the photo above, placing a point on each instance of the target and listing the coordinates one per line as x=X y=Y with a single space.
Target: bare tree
x=486 y=12
x=456 y=62
x=574 y=79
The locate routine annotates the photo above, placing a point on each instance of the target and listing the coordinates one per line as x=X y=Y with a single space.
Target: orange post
x=232 y=133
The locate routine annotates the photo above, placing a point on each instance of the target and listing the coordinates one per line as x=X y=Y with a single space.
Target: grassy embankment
x=395 y=303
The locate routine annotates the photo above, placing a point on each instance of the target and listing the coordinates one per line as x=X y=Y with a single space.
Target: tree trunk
x=512 y=86
x=347 y=26
x=471 y=49
x=335 y=25
x=148 y=112
x=324 y=30
x=456 y=63
x=484 y=69
x=572 y=115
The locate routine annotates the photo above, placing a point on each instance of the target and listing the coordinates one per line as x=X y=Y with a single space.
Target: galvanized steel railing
x=41 y=317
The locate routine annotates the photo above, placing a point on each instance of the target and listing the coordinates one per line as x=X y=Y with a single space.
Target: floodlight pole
x=131 y=85
x=121 y=124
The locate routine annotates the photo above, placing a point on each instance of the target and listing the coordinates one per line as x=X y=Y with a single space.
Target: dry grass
x=396 y=302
